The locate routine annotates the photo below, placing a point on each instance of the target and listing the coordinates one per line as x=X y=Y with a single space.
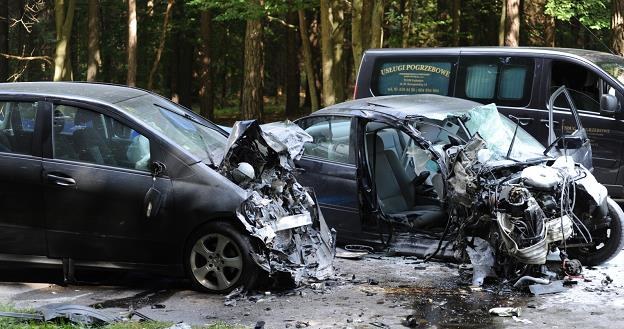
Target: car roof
x=591 y=55
x=400 y=106
x=101 y=92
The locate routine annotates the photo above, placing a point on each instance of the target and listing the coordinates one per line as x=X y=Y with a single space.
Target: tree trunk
x=501 y=24
x=64 y=17
x=456 y=22
x=513 y=23
x=94 y=60
x=185 y=71
x=132 y=43
x=161 y=44
x=253 y=81
x=327 y=54
x=4 y=39
x=356 y=33
x=617 y=24
x=539 y=26
x=338 y=35
x=206 y=92
x=406 y=24
x=307 y=60
x=377 y=25
x=293 y=82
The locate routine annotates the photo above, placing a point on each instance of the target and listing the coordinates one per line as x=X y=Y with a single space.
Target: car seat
x=90 y=139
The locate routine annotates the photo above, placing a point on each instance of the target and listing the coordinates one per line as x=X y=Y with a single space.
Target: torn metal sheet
x=278 y=210
x=78 y=314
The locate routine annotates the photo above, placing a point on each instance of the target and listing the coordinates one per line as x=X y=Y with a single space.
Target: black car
x=95 y=175
x=432 y=175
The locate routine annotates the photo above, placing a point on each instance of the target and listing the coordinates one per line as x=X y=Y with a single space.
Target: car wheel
x=218 y=259
x=611 y=240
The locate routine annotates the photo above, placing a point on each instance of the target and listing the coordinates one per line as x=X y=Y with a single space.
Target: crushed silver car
x=436 y=176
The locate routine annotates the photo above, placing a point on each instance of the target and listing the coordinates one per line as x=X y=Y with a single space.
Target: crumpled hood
x=278 y=211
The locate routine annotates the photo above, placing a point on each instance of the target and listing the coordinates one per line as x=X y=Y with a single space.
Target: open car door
x=568 y=138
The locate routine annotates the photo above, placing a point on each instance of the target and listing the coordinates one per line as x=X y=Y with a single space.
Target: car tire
x=217 y=259
x=594 y=256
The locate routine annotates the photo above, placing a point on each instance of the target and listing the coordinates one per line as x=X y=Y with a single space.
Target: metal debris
x=77 y=314
x=505 y=311
x=278 y=211
x=543 y=289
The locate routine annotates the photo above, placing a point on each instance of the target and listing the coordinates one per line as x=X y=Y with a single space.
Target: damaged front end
x=512 y=214
x=280 y=213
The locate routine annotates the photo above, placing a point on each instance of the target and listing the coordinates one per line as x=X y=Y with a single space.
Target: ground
x=376 y=291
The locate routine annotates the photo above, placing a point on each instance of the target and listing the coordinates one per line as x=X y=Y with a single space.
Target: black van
x=520 y=81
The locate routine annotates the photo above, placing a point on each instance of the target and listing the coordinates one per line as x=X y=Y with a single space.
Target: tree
x=206 y=92
x=307 y=60
x=252 y=106
x=501 y=24
x=456 y=15
x=4 y=39
x=539 y=27
x=132 y=43
x=332 y=52
x=293 y=77
x=617 y=24
x=513 y=23
x=94 y=59
x=64 y=17
x=161 y=44
x=406 y=23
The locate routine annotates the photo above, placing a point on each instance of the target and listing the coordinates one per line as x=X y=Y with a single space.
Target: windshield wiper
x=519 y=121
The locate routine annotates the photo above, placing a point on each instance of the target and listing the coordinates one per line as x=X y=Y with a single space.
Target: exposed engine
x=530 y=208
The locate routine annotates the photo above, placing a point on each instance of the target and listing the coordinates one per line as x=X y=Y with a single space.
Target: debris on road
x=505 y=311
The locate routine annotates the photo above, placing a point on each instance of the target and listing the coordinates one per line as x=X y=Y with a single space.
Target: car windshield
x=196 y=136
x=494 y=128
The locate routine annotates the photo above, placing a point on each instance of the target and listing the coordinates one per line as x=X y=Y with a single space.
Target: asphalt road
x=369 y=293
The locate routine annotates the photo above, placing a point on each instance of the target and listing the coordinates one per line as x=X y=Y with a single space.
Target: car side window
x=503 y=80
x=331 y=138
x=89 y=136
x=17 y=126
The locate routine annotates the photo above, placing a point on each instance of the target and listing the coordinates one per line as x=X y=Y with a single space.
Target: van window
x=502 y=80
x=583 y=85
x=401 y=77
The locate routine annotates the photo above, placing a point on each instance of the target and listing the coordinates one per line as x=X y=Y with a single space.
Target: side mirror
x=609 y=105
x=157 y=168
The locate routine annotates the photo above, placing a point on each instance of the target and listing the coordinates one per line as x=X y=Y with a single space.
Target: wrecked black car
x=105 y=176
x=435 y=176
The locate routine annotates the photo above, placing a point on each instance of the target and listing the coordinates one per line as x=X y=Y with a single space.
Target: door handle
x=545 y=121
x=60 y=180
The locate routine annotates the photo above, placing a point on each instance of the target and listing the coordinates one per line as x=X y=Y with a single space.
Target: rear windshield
x=412 y=77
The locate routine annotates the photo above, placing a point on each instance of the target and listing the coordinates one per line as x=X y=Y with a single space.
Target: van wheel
x=611 y=241
x=218 y=259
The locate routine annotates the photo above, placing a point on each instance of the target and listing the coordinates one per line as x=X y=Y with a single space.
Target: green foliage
x=595 y=14
x=245 y=9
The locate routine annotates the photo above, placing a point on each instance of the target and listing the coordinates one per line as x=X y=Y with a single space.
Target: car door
x=21 y=193
x=586 y=86
x=96 y=183
x=571 y=139
x=328 y=166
